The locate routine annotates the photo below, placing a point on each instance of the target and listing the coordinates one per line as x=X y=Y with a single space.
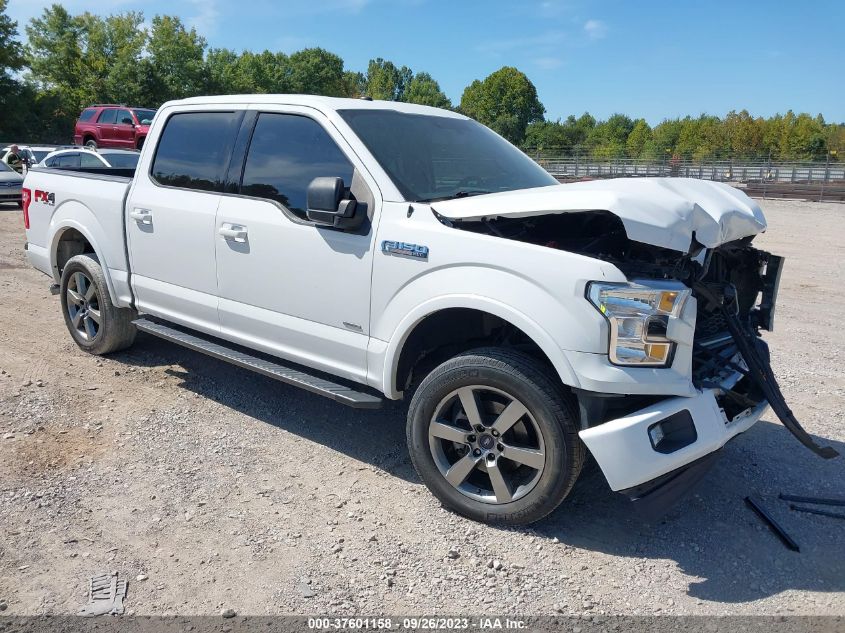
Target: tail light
x=26 y=198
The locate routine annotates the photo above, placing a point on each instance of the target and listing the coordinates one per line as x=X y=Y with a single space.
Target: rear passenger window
x=194 y=150
x=87 y=115
x=109 y=115
x=286 y=153
x=66 y=160
x=86 y=160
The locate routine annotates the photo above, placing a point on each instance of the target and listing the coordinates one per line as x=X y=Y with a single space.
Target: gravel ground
x=211 y=488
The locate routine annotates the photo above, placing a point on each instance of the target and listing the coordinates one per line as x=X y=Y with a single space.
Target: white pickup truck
x=366 y=249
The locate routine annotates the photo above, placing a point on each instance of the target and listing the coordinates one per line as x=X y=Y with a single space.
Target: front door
x=171 y=212
x=286 y=286
x=124 y=129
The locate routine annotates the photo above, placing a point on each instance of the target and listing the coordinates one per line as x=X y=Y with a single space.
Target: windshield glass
x=40 y=154
x=433 y=157
x=145 y=117
x=128 y=160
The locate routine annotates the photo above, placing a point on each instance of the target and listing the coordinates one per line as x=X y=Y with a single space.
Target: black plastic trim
x=298 y=376
x=653 y=498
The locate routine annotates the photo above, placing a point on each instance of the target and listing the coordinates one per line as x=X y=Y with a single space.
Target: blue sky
x=654 y=59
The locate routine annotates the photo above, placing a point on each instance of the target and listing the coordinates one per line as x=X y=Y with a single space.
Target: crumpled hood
x=663 y=212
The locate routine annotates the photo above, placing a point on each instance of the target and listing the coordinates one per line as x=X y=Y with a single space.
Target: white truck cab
x=367 y=250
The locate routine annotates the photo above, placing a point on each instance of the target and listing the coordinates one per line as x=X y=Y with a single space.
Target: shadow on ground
x=711 y=534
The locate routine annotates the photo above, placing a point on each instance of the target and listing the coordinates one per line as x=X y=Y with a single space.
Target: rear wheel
x=494 y=438
x=91 y=143
x=95 y=323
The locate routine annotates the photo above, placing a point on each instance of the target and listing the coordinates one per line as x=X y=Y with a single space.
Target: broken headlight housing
x=638 y=314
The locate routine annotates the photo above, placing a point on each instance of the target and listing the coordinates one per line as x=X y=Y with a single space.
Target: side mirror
x=327 y=207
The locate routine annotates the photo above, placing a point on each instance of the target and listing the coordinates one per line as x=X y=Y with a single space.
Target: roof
x=324 y=104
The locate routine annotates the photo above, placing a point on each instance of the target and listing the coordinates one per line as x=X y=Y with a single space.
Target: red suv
x=111 y=125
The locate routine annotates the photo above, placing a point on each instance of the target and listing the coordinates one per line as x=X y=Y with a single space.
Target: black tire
x=114 y=331
x=549 y=411
x=140 y=144
x=91 y=143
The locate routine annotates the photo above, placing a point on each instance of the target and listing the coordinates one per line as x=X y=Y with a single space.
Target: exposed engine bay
x=735 y=286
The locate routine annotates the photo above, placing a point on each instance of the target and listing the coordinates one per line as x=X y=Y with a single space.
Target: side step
x=223 y=350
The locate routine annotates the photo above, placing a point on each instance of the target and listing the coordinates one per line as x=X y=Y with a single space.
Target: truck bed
x=94 y=199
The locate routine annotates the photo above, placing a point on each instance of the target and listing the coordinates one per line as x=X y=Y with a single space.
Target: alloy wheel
x=486 y=444
x=83 y=306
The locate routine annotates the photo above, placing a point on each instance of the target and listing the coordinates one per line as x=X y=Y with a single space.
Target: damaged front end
x=653 y=447
x=735 y=286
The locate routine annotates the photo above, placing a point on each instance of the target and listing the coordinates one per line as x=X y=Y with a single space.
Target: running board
x=225 y=351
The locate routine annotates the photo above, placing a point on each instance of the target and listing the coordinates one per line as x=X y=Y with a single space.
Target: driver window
x=124 y=117
x=286 y=153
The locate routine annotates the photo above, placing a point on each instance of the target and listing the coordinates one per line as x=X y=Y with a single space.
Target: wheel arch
x=69 y=238
x=401 y=352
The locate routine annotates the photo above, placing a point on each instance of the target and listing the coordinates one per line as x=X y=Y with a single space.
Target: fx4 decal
x=44 y=196
x=404 y=249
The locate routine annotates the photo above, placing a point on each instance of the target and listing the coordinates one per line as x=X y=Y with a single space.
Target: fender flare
x=57 y=230
x=474 y=302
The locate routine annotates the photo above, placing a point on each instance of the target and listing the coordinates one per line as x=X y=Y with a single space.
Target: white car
x=365 y=250
x=11 y=183
x=81 y=157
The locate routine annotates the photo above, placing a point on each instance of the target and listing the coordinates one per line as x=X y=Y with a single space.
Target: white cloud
x=595 y=29
x=542 y=43
x=548 y=63
x=22 y=11
x=206 y=18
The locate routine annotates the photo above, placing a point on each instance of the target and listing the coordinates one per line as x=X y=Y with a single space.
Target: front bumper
x=624 y=450
x=10 y=194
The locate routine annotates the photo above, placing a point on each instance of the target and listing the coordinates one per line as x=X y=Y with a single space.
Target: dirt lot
x=212 y=488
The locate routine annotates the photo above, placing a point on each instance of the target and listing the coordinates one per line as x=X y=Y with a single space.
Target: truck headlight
x=638 y=314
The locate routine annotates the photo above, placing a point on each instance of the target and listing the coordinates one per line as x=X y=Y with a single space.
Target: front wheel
x=95 y=323
x=494 y=438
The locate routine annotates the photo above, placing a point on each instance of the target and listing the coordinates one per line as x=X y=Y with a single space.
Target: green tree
x=608 y=138
x=424 y=90
x=11 y=90
x=56 y=58
x=385 y=81
x=11 y=56
x=505 y=101
x=745 y=134
x=317 y=71
x=174 y=67
x=638 y=138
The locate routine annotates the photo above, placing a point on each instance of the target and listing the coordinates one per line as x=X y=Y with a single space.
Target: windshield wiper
x=457 y=194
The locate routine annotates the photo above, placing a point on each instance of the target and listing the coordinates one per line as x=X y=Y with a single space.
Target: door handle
x=144 y=216
x=233 y=232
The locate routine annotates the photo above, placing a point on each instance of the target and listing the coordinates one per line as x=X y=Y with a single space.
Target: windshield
x=145 y=117
x=127 y=161
x=40 y=154
x=433 y=157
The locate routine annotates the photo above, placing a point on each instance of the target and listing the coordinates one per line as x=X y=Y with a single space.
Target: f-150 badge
x=404 y=249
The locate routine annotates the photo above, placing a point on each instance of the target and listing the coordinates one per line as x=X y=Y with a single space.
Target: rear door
x=287 y=286
x=105 y=127
x=171 y=212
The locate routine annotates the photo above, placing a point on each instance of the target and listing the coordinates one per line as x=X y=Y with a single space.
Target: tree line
x=71 y=61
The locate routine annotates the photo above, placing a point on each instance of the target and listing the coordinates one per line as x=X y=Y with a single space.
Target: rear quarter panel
x=93 y=205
